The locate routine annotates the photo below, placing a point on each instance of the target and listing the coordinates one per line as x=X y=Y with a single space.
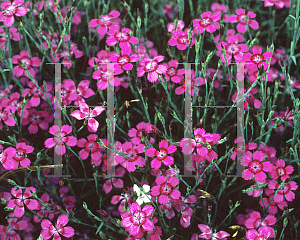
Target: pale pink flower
x=87 y=113
x=11 y=9
x=48 y=230
x=240 y=17
x=104 y=23
x=152 y=68
x=24 y=57
x=207 y=233
x=276 y=56
x=207 y=22
x=60 y=139
x=14 y=35
x=22 y=199
x=165 y=189
x=76 y=16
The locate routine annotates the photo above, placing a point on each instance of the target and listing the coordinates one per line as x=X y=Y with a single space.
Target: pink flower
x=256 y=59
x=11 y=9
x=90 y=146
x=6 y=157
x=248 y=99
x=263 y=233
x=171 y=26
x=104 y=22
x=76 y=16
x=208 y=234
x=136 y=134
x=49 y=230
x=34 y=119
x=210 y=75
x=180 y=39
x=240 y=17
x=126 y=197
x=116 y=182
x=206 y=23
x=14 y=35
x=247 y=147
x=281 y=171
x=273 y=204
x=29 y=62
x=270 y=3
x=276 y=56
x=133 y=159
x=172 y=73
x=165 y=189
x=151 y=67
x=60 y=139
x=104 y=75
x=6 y=116
x=125 y=60
x=22 y=199
x=87 y=113
x=122 y=37
x=67 y=54
x=285 y=190
x=34 y=92
x=103 y=57
x=232 y=49
x=168 y=10
x=21 y=156
x=14 y=224
x=257 y=167
x=161 y=155
x=135 y=220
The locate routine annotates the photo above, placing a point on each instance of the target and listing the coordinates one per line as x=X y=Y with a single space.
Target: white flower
x=141 y=193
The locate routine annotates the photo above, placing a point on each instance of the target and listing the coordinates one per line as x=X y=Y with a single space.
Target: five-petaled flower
x=24 y=57
x=104 y=22
x=125 y=60
x=22 y=199
x=256 y=59
x=207 y=22
x=241 y=18
x=123 y=37
x=60 y=139
x=59 y=229
x=161 y=155
x=207 y=233
x=135 y=220
x=165 y=189
x=11 y=9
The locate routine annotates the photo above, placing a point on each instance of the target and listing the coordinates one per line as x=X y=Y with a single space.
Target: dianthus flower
x=104 y=23
x=256 y=59
x=165 y=189
x=270 y=3
x=6 y=116
x=60 y=139
x=11 y=9
x=180 y=39
x=123 y=37
x=281 y=171
x=125 y=60
x=152 y=68
x=36 y=118
x=48 y=230
x=161 y=155
x=6 y=157
x=135 y=220
x=172 y=73
x=24 y=57
x=90 y=146
x=263 y=233
x=22 y=199
x=241 y=18
x=207 y=22
x=284 y=191
x=207 y=233
x=257 y=166
x=21 y=156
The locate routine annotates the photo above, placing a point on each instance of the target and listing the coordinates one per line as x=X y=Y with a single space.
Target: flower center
x=151 y=66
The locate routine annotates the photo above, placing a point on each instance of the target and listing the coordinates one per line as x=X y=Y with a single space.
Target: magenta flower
x=49 y=230
x=180 y=39
x=29 y=62
x=135 y=220
x=136 y=134
x=116 y=182
x=21 y=156
x=122 y=37
x=22 y=199
x=208 y=234
x=284 y=191
x=35 y=93
x=281 y=171
x=256 y=166
x=36 y=118
x=90 y=146
x=172 y=73
x=104 y=22
x=263 y=233
x=125 y=60
x=240 y=17
x=207 y=22
x=161 y=155
x=11 y=9
x=87 y=113
x=171 y=26
x=232 y=49
x=131 y=151
x=273 y=204
x=165 y=189
x=248 y=99
x=60 y=139
x=151 y=67
x=102 y=58
x=270 y=3
x=276 y=56
x=6 y=116
x=256 y=59
x=6 y=157
x=14 y=225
